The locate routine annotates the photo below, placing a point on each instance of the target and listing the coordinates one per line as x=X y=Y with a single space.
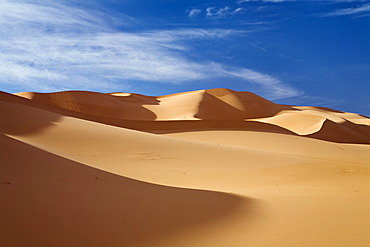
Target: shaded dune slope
x=48 y=199
x=98 y=104
x=222 y=104
x=206 y=109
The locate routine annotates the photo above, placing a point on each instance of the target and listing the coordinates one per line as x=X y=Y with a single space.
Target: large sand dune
x=203 y=168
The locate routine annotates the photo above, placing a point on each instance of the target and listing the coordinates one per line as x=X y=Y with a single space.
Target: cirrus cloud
x=59 y=47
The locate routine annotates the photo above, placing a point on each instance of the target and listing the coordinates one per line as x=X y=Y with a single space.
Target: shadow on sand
x=52 y=201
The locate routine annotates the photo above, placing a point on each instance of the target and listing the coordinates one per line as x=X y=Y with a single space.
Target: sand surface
x=203 y=168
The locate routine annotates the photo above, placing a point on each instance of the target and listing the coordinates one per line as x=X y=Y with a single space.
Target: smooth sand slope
x=204 y=168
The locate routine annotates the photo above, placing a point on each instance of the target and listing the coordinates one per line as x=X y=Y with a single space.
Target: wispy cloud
x=365 y=8
x=272 y=87
x=258 y=47
x=306 y=100
x=215 y=11
x=194 y=12
x=51 y=16
x=60 y=47
x=219 y=12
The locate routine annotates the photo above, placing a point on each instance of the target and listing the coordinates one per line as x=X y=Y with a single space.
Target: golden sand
x=203 y=168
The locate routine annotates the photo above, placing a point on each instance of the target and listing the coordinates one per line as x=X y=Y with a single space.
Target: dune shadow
x=252 y=106
x=258 y=107
x=346 y=132
x=21 y=116
x=99 y=105
x=212 y=108
x=18 y=117
x=48 y=200
x=203 y=125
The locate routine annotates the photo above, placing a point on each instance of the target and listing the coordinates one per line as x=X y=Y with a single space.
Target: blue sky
x=288 y=51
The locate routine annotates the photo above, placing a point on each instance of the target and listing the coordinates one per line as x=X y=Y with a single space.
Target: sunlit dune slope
x=207 y=109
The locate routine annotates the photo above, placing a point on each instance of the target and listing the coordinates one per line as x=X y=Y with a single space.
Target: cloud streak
x=365 y=8
x=194 y=12
x=272 y=87
x=59 y=47
x=215 y=12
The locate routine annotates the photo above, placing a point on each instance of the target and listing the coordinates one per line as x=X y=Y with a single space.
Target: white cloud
x=350 y=11
x=100 y=57
x=59 y=47
x=194 y=12
x=48 y=15
x=217 y=12
x=272 y=87
x=225 y=11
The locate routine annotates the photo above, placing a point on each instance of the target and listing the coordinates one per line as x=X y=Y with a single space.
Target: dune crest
x=299 y=123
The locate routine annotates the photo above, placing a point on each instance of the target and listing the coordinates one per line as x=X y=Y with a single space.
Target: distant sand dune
x=220 y=108
x=203 y=168
x=98 y=104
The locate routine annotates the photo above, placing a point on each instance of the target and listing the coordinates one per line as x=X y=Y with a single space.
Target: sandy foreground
x=204 y=168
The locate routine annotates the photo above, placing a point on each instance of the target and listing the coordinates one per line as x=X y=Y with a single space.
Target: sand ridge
x=227 y=109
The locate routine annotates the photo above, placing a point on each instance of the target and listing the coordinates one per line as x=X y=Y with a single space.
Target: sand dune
x=215 y=109
x=131 y=153
x=203 y=168
x=48 y=200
